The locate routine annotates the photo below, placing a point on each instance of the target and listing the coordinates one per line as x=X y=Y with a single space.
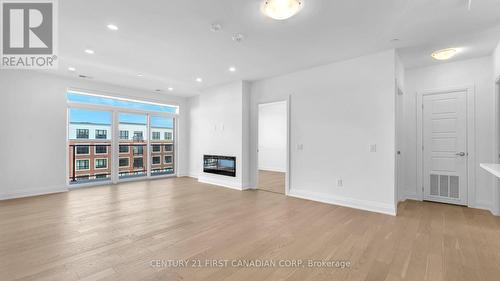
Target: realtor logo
x=28 y=34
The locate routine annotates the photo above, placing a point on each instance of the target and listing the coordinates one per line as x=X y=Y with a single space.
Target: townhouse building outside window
x=138 y=163
x=82 y=133
x=169 y=147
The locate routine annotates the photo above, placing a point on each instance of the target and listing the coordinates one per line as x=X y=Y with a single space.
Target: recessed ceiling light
x=140 y=74
x=89 y=51
x=281 y=9
x=112 y=27
x=199 y=80
x=71 y=68
x=444 y=54
x=170 y=89
x=232 y=69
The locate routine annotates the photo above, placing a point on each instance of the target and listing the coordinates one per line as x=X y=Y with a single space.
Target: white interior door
x=445 y=147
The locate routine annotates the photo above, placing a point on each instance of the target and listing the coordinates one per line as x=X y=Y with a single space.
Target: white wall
x=475 y=72
x=218 y=127
x=337 y=111
x=272 y=136
x=33 y=115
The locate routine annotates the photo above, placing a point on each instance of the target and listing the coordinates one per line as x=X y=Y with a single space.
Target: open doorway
x=272 y=146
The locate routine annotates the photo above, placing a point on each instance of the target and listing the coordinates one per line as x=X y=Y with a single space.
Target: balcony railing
x=133 y=160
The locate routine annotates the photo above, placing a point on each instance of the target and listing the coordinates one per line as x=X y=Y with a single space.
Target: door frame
x=287 y=159
x=496 y=184
x=470 y=135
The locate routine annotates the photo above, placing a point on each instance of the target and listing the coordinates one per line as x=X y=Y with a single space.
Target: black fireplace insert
x=221 y=165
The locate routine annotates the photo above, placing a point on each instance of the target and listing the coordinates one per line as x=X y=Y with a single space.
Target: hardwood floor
x=115 y=232
x=272 y=181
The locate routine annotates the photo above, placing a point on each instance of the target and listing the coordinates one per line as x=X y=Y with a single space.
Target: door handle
x=460 y=154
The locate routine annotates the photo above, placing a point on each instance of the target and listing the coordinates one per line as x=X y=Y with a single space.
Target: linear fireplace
x=221 y=165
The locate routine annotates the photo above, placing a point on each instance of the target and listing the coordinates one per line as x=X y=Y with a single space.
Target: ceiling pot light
x=112 y=27
x=170 y=89
x=140 y=75
x=281 y=9
x=232 y=69
x=89 y=51
x=71 y=69
x=444 y=54
x=199 y=80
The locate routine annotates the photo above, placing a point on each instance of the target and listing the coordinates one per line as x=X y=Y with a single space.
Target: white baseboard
x=220 y=182
x=33 y=192
x=371 y=206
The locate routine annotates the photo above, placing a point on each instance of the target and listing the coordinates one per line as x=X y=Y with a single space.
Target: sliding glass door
x=133 y=149
x=162 y=145
x=89 y=138
x=111 y=139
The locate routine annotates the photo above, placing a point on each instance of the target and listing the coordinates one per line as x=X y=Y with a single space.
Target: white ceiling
x=170 y=41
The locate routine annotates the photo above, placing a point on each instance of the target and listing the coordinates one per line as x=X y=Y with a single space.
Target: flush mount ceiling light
x=281 y=9
x=232 y=69
x=89 y=51
x=444 y=54
x=199 y=80
x=112 y=27
x=140 y=75
x=71 y=69
x=170 y=89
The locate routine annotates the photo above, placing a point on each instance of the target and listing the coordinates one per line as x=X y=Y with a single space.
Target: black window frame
x=84 y=135
x=77 y=147
x=120 y=162
x=124 y=134
x=101 y=146
x=99 y=135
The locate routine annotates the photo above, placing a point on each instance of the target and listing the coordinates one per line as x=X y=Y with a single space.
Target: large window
x=164 y=126
x=144 y=132
x=137 y=125
x=94 y=127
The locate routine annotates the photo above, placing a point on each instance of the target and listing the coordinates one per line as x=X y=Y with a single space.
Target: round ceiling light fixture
x=281 y=9
x=444 y=54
